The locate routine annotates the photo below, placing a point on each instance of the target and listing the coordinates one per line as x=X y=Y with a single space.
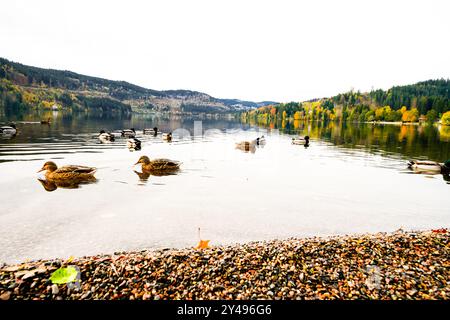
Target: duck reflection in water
x=52 y=185
x=145 y=175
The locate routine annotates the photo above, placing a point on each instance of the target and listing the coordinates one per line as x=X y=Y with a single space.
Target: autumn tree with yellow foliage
x=445 y=120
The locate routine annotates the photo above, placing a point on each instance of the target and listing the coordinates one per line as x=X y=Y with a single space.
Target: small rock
x=28 y=275
x=86 y=295
x=146 y=296
x=411 y=292
x=5 y=296
x=55 y=289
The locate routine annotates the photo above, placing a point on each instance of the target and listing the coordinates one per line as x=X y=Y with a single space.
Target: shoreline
x=399 y=265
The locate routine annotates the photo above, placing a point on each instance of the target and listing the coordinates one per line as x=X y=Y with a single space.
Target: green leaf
x=64 y=275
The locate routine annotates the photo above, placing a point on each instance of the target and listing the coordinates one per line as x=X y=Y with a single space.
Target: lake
x=351 y=179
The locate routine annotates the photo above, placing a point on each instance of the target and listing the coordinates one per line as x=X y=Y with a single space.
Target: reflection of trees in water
x=411 y=141
x=76 y=123
x=444 y=133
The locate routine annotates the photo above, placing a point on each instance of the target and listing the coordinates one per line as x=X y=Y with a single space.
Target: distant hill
x=23 y=87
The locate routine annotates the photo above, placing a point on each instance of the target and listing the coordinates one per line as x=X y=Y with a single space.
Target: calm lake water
x=351 y=179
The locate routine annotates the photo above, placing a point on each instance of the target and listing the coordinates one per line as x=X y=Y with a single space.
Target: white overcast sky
x=256 y=50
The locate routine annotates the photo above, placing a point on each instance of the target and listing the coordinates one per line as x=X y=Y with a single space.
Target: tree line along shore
x=427 y=102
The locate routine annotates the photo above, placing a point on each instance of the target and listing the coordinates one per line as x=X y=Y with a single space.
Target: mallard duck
x=105 y=136
x=70 y=172
x=429 y=166
x=134 y=143
x=247 y=145
x=167 y=136
x=117 y=133
x=129 y=133
x=158 y=165
x=48 y=121
x=301 y=141
x=153 y=131
x=260 y=140
x=8 y=130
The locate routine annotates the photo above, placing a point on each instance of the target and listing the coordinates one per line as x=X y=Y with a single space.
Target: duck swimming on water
x=134 y=144
x=106 y=136
x=247 y=145
x=117 y=133
x=158 y=165
x=129 y=133
x=429 y=166
x=167 y=136
x=153 y=131
x=8 y=130
x=71 y=172
x=301 y=141
x=260 y=141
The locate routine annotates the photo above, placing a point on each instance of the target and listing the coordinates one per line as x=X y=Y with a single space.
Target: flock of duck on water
x=132 y=142
x=73 y=175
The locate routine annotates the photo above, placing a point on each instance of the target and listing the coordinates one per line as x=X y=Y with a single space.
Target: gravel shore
x=400 y=265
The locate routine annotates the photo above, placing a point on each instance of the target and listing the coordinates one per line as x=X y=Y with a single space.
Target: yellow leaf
x=203 y=244
x=70 y=259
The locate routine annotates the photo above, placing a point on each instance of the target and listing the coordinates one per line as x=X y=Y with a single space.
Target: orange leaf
x=203 y=244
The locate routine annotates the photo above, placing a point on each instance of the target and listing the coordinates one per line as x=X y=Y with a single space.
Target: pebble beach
x=399 y=265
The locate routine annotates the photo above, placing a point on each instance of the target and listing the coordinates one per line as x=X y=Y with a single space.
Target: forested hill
x=425 y=96
x=23 y=87
x=423 y=101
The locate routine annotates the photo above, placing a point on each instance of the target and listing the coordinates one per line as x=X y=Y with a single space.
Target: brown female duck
x=67 y=172
x=158 y=165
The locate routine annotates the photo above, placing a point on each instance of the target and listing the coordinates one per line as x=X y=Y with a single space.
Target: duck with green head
x=429 y=166
x=446 y=166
